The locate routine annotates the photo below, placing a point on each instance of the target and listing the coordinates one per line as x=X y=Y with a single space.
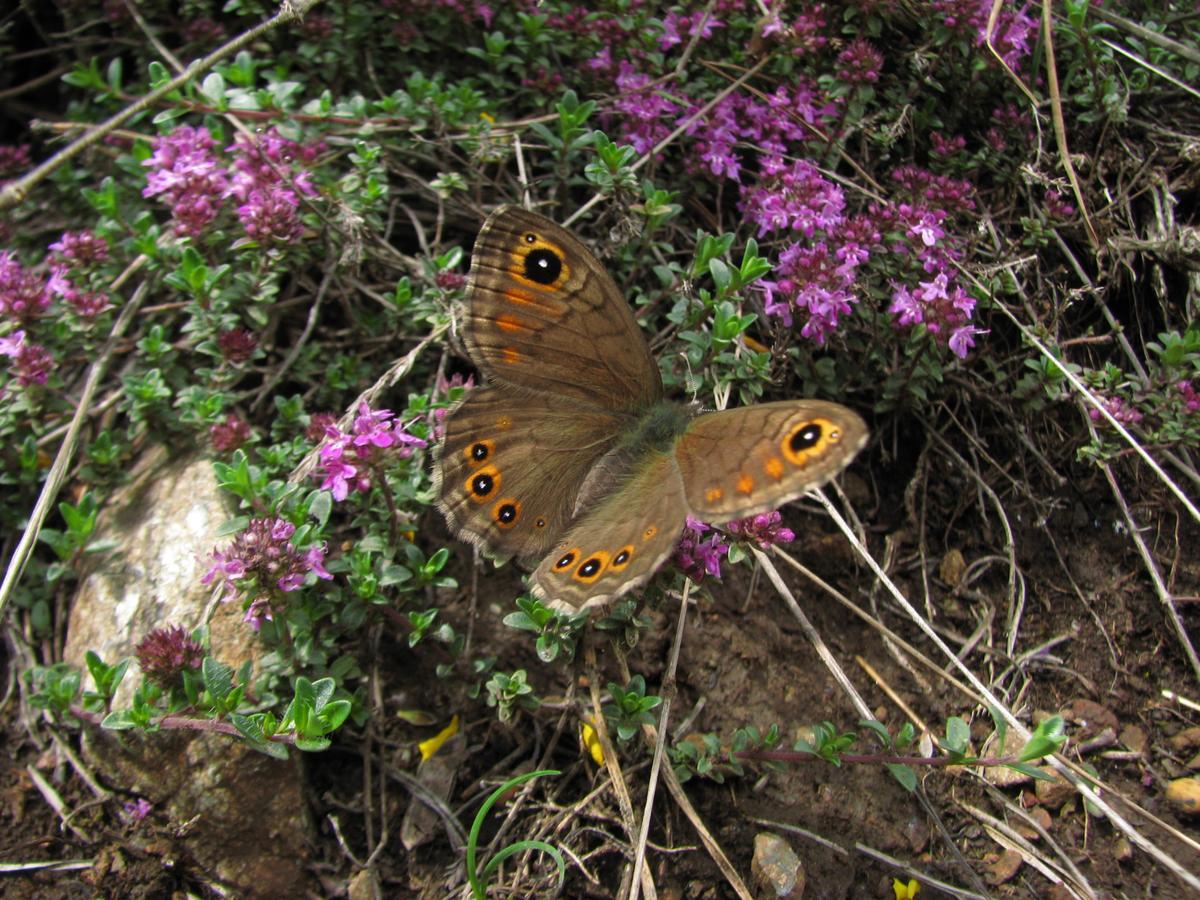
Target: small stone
x=1122 y=849
x=362 y=885
x=1134 y=737
x=1004 y=776
x=1184 y=796
x=1090 y=716
x=916 y=832
x=776 y=868
x=1185 y=741
x=1053 y=794
x=952 y=567
x=1042 y=817
x=1004 y=868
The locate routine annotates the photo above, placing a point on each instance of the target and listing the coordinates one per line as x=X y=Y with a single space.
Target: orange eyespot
x=713 y=494
x=621 y=560
x=539 y=263
x=651 y=531
x=479 y=452
x=807 y=439
x=510 y=355
x=506 y=512
x=512 y=324
x=564 y=560
x=504 y=422
x=483 y=483
x=592 y=567
x=745 y=484
x=774 y=468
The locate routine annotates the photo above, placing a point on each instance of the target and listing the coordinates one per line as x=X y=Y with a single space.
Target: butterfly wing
x=618 y=543
x=511 y=466
x=545 y=316
x=745 y=461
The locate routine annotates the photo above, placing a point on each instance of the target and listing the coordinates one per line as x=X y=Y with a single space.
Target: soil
x=1092 y=644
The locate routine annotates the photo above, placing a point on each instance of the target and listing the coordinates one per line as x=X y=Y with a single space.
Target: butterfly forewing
x=543 y=314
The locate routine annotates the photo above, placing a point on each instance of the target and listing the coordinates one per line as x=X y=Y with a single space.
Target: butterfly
x=570 y=455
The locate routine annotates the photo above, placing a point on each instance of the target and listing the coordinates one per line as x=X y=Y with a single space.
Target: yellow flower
x=434 y=744
x=591 y=743
x=488 y=117
x=905 y=891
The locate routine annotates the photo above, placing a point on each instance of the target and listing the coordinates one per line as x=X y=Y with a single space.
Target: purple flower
x=186 y=174
x=762 y=530
x=678 y=27
x=697 y=556
x=645 y=115
x=1119 y=409
x=1057 y=206
x=237 y=345
x=860 y=63
x=87 y=304
x=269 y=216
x=23 y=295
x=31 y=362
x=166 y=653
x=1191 y=399
x=14 y=158
x=229 y=434
x=139 y=809
x=80 y=249
x=348 y=458
x=962 y=339
x=267 y=185
x=261 y=564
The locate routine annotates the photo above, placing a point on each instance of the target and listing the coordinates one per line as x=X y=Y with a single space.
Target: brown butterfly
x=570 y=453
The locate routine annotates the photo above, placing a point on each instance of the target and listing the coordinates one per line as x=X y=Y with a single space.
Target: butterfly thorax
x=650 y=435
x=657 y=429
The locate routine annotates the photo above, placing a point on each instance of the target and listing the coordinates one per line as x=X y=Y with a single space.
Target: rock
x=1004 y=776
x=916 y=832
x=246 y=816
x=1185 y=741
x=1184 y=796
x=1004 y=867
x=1122 y=849
x=1134 y=737
x=1053 y=794
x=953 y=567
x=1090 y=716
x=776 y=868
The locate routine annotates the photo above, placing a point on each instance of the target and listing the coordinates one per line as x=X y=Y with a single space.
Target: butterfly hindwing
x=511 y=465
x=618 y=543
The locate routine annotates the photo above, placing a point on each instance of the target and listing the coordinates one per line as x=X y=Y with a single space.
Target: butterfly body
x=571 y=454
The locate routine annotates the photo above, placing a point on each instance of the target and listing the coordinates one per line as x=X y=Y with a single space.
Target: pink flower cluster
x=30 y=362
x=166 y=653
x=698 y=556
x=261 y=564
x=26 y=297
x=1119 y=409
x=1191 y=398
x=189 y=176
x=1014 y=32
x=349 y=458
x=763 y=530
